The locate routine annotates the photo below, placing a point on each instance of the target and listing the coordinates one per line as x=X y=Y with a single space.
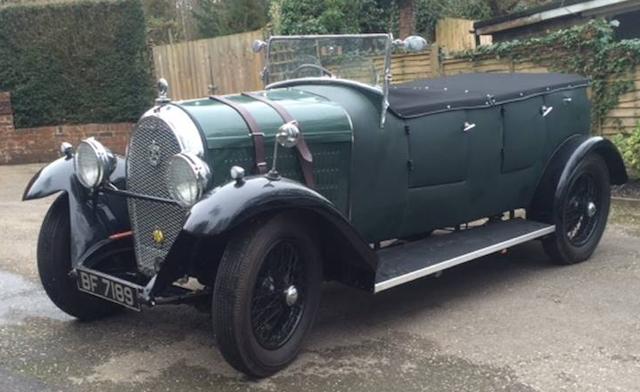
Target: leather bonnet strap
x=304 y=154
x=254 y=131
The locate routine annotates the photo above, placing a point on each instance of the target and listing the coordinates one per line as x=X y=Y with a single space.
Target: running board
x=404 y=263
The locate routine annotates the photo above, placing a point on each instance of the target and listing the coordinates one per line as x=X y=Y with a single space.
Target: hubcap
x=591 y=209
x=291 y=295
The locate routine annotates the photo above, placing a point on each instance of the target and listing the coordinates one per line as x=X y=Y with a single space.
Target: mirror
x=413 y=43
x=288 y=134
x=258 y=46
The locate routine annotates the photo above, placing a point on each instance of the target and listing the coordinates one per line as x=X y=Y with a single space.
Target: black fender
x=555 y=179
x=93 y=216
x=237 y=203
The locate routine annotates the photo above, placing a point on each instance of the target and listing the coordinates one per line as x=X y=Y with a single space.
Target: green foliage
x=222 y=17
x=328 y=17
x=629 y=146
x=162 y=22
x=589 y=49
x=76 y=62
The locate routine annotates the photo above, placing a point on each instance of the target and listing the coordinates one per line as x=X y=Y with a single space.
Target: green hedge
x=77 y=62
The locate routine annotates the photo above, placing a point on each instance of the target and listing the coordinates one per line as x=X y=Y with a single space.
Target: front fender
x=58 y=175
x=92 y=217
x=53 y=178
x=228 y=206
x=234 y=204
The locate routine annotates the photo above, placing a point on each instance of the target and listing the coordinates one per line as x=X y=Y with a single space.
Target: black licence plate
x=110 y=288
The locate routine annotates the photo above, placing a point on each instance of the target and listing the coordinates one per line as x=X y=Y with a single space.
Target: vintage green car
x=244 y=204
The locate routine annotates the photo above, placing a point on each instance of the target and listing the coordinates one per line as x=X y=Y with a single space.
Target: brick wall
x=41 y=144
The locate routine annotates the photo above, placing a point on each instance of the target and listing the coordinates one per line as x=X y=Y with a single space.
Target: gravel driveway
x=505 y=322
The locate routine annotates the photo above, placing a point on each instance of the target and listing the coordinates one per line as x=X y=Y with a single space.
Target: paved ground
x=511 y=322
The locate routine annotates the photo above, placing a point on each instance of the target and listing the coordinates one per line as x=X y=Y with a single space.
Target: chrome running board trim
x=432 y=269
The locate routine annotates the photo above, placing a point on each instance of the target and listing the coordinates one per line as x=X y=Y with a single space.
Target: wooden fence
x=218 y=65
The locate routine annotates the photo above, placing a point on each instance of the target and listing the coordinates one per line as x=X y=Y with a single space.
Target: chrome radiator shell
x=153 y=142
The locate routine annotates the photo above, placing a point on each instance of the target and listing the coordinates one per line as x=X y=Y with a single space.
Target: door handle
x=468 y=126
x=567 y=99
x=545 y=110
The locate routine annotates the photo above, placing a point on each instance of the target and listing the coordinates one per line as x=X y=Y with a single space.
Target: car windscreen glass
x=359 y=58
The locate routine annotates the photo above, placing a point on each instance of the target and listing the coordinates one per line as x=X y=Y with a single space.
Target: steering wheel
x=320 y=68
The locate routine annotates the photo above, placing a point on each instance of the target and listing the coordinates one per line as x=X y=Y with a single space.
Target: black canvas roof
x=469 y=91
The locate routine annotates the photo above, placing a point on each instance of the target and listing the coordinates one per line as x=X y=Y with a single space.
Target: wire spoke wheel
x=582 y=210
x=267 y=294
x=278 y=300
x=581 y=215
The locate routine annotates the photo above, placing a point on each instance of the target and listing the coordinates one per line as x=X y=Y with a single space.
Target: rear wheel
x=54 y=266
x=582 y=218
x=266 y=295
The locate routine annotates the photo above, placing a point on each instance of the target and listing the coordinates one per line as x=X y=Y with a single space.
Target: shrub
x=327 y=17
x=629 y=145
x=75 y=62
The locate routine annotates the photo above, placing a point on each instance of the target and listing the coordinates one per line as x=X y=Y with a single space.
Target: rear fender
x=93 y=217
x=235 y=204
x=563 y=162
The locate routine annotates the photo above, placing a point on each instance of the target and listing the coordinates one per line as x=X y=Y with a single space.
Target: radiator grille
x=146 y=174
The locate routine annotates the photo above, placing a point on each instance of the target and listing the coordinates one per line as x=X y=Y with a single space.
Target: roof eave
x=569 y=10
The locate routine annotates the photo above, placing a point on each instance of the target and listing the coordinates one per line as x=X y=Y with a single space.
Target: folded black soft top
x=468 y=91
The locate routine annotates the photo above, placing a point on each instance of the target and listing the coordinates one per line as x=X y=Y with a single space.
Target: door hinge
x=407 y=129
x=410 y=165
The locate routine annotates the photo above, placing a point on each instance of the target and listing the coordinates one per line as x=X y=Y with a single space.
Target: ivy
x=589 y=49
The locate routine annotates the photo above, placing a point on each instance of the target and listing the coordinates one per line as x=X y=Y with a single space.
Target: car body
x=354 y=176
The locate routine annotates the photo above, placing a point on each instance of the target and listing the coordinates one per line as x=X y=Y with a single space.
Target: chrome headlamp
x=93 y=163
x=188 y=177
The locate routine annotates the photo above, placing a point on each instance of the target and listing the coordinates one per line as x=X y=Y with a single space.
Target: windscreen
x=359 y=58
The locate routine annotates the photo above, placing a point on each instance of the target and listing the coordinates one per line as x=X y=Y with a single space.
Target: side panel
x=524 y=134
x=568 y=116
x=379 y=175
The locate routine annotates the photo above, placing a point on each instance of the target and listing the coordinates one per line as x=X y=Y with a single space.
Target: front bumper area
x=108 y=269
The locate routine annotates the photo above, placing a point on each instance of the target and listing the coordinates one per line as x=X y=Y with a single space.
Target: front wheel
x=54 y=267
x=583 y=213
x=266 y=295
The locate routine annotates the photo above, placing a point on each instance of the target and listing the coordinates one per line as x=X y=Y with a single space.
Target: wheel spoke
x=579 y=222
x=278 y=300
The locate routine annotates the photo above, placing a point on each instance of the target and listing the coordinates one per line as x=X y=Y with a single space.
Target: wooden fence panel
x=412 y=66
x=626 y=115
x=227 y=64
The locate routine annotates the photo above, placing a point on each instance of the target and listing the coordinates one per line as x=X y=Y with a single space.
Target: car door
x=438 y=170
x=438 y=149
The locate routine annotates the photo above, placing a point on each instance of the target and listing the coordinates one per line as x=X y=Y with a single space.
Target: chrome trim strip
x=398 y=280
x=182 y=126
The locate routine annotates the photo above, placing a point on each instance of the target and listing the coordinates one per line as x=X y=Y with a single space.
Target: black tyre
x=583 y=215
x=54 y=265
x=266 y=295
